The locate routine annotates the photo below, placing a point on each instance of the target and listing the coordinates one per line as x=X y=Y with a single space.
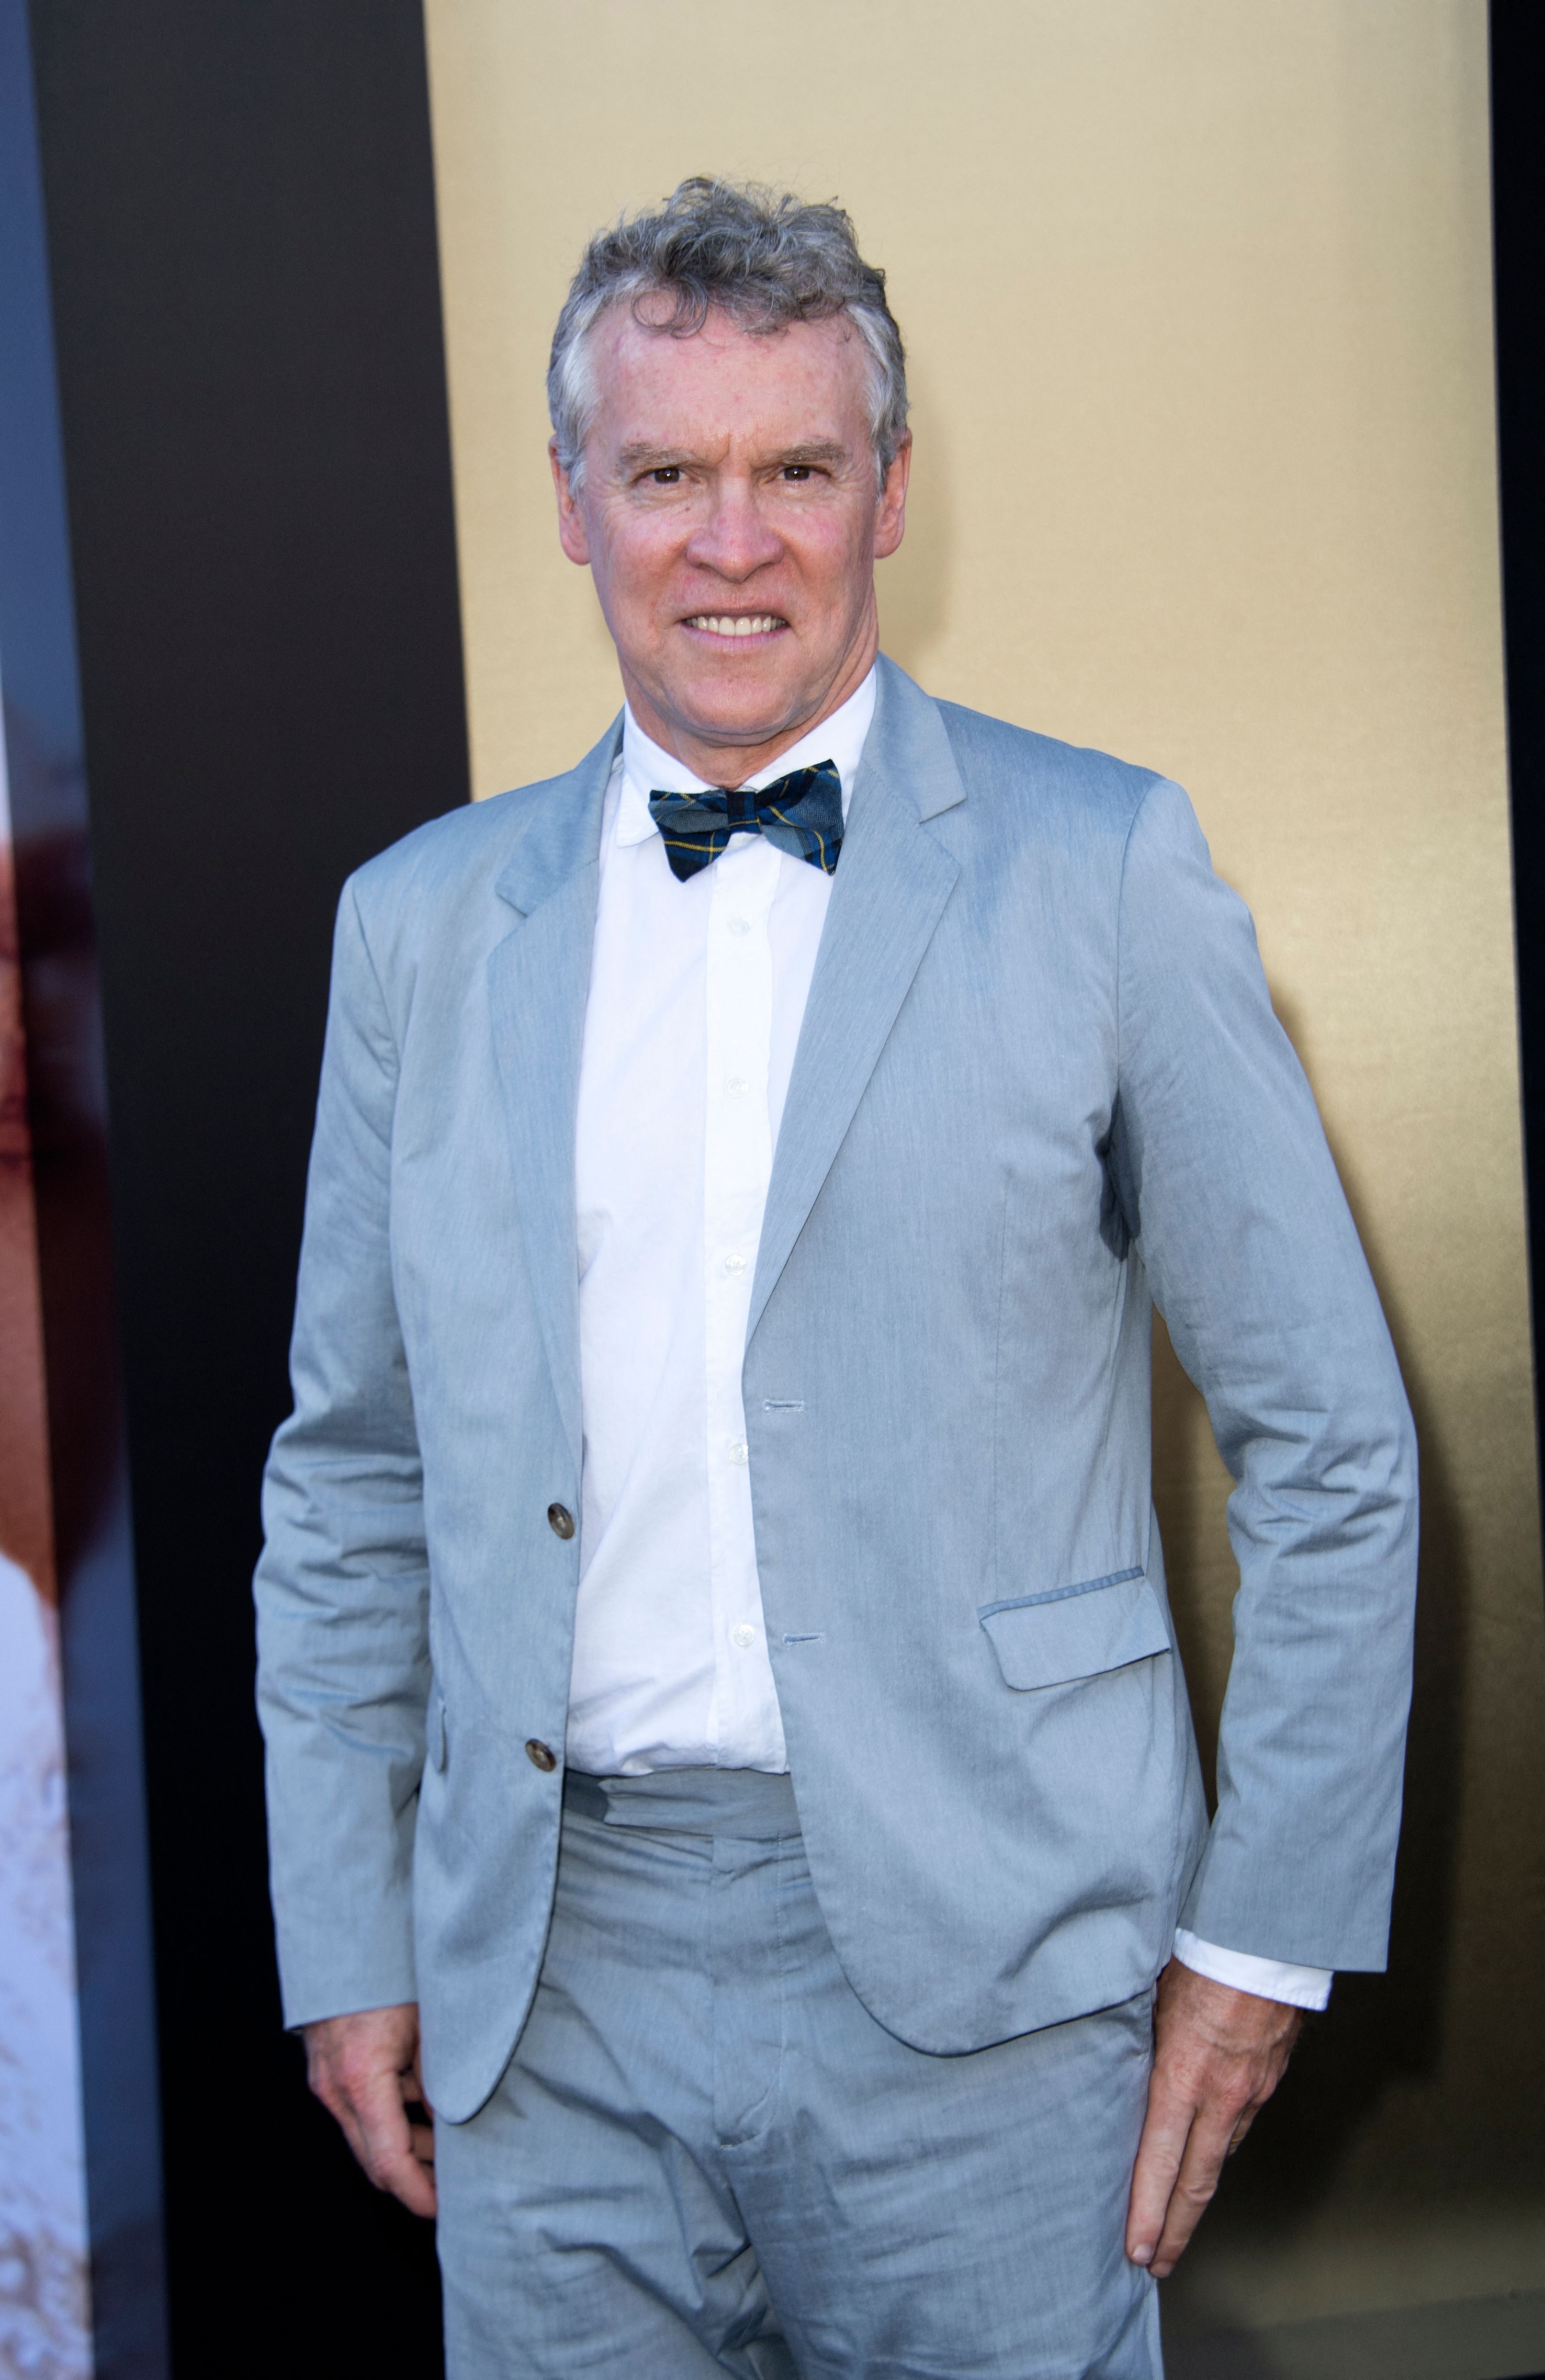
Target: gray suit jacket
x=1039 y=1084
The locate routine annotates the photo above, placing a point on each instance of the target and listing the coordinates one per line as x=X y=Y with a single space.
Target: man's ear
x=890 y=523
x=571 y=520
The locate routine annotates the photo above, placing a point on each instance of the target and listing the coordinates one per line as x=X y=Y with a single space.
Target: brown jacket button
x=541 y=1756
x=560 y=1520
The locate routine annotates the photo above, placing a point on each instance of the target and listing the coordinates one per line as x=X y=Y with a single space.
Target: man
x=728 y=1748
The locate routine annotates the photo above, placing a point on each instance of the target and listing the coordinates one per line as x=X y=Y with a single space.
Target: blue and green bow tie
x=801 y=813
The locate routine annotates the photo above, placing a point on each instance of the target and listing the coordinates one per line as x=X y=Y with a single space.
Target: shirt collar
x=646 y=769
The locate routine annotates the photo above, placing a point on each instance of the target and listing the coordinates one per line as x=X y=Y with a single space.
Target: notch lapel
x=537 y=981
x=888 y=894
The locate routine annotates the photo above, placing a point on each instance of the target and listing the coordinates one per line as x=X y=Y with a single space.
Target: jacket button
x=541 y=1756
x=560 y=1520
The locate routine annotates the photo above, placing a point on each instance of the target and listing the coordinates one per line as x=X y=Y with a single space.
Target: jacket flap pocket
x=1075 y=1632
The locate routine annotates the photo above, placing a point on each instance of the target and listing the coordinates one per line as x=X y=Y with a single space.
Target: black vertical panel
x=1518 y=196
x=241 y=228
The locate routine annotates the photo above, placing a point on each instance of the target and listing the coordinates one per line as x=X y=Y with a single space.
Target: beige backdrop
x=1197 y=301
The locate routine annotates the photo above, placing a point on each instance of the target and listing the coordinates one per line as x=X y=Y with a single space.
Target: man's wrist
x=1269 y=1979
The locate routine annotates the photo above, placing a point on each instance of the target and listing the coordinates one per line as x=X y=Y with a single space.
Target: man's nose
x=734 y=537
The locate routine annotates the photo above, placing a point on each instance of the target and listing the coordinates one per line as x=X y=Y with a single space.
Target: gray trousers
x=706 y=2156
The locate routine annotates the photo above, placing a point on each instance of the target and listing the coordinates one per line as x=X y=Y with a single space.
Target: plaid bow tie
x=801 y=813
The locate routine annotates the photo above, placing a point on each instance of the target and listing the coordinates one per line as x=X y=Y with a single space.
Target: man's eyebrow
x=640 y=457
x=815 y=450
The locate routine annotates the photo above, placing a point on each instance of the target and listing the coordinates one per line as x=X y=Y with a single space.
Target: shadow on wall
x=1383 y=2027
x=914 y=586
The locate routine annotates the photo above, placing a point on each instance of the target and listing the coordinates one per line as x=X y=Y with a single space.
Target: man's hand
x=364 y=2068
x=1218 y=2055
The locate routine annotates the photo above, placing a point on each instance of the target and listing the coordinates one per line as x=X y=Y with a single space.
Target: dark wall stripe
x=1518 y=196
x=241 y=223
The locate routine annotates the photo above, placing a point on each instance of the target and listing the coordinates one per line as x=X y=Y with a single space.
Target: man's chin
x=739 y=705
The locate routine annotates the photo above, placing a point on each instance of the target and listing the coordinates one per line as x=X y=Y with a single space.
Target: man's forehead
x=673 y=378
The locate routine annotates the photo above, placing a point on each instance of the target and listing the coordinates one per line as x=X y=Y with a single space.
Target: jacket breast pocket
x=1075 y=1632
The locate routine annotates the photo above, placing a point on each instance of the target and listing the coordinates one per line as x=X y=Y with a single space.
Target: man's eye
x=668 y=475
x=798 y=470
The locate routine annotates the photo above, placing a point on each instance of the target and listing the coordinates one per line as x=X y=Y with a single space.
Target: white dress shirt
x=697 y=995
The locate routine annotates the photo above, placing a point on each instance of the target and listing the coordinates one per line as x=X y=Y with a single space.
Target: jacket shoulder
x=446 y=853
x=1070 y=786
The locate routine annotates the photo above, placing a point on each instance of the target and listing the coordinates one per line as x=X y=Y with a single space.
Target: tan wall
x=1197 y=301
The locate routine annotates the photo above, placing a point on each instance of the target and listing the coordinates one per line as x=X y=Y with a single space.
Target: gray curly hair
x=765 y=257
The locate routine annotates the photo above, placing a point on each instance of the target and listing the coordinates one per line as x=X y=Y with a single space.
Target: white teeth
x=760 y=625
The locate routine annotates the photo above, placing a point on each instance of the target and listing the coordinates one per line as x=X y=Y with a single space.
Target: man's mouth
x=744 y=624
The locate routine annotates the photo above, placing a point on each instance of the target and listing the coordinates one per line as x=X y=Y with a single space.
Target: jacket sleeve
x=1231 y=1193
x=343 y=1583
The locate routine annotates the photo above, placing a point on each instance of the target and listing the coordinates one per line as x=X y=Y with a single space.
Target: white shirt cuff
x=1269 y=1979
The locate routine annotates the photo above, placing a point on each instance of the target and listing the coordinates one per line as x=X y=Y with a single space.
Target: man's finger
x=397 y=2156
x=382 y=2116
x=1166 y=2130
x=410 y=2178
x=1196 y=2185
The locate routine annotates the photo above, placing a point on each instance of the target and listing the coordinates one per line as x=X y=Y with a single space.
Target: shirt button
x=745 y=1636
x=541 y=1756
x=739 y=1451
x=740 y=925
x=735 y=1264
x=560 y=1520
x=736 y=1084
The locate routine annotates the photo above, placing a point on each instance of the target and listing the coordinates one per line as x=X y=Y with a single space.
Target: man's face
x=730 y=515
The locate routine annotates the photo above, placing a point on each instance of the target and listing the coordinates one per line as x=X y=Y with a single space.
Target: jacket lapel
x=887 y=896
x=538 y=979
